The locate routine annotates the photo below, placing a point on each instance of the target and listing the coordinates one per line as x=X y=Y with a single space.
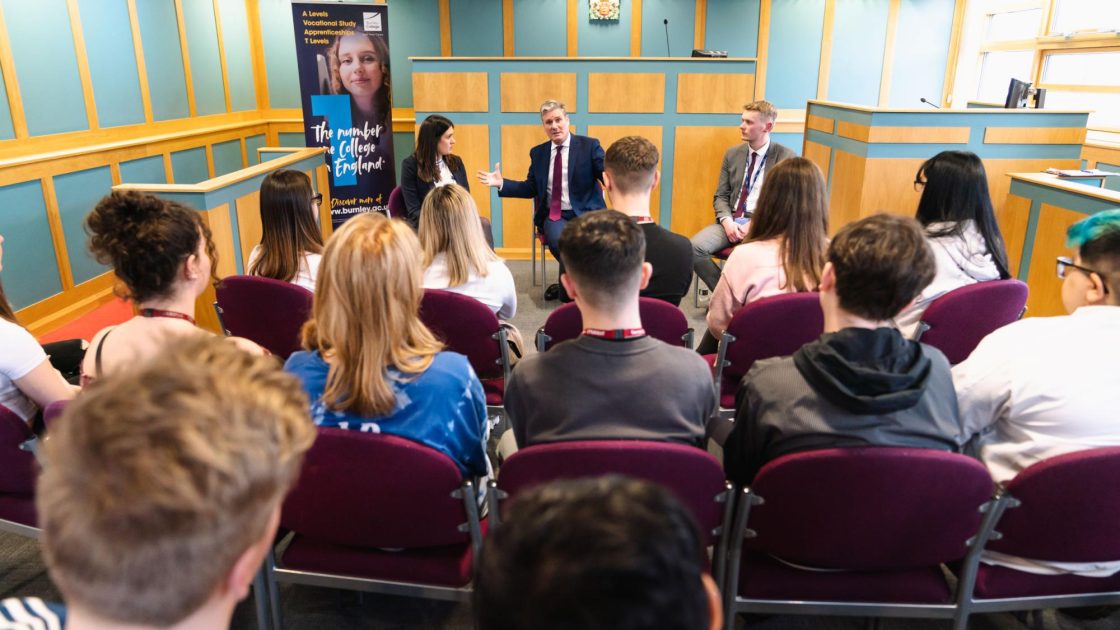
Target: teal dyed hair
x=1089 y=229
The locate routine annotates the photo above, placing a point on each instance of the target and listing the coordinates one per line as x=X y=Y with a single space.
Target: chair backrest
x=956 y=322
x=774 y=326
x=869 y=508
x=52 y=412
x=269 y=312
x=396 y=204
x=1070 y=508
x=660 y=319
x=467 y=326
x=18 y=473
x=691 y=474
x=372 y=490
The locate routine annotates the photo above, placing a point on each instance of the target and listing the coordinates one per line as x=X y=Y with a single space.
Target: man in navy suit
x=574 y=162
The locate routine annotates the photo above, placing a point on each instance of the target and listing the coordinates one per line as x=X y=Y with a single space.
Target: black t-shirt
x=671 y=257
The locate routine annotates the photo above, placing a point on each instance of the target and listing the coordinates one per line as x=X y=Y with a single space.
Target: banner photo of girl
x=342 y=52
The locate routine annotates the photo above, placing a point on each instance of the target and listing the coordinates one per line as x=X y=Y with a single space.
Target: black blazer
x=414 y=189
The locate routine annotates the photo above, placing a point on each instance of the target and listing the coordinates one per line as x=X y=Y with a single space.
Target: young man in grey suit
x=740 y=180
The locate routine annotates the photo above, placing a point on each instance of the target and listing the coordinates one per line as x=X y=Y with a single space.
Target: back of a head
x=632 y=163
x=603 y=252
x=158 y=479
x=602 y=553
x=793 y=206
x=1097 y=240
x=288 y=228
x=146 y=240
x=365 y=314
x=882 y=262
x=449 y=225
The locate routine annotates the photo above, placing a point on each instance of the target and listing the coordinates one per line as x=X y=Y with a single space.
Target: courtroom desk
x=230 y=206
x=1039 y=209
x=689 y=109
x=870 y=155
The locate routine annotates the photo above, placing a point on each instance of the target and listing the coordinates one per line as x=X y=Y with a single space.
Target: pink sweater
x=753 y=271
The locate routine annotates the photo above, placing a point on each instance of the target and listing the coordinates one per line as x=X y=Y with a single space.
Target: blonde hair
x=366 y=314
x=157 y=480
x=766 y=108
x=449 y=225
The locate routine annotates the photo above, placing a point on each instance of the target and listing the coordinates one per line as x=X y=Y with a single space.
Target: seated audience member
x=162 y=253
x=28 y=381
x=629 y=177
x=162 y=486
x=371 y=364
x=456 y=256
x=783 y=251
x=291 y=241
x=862 y=383
x=614 y=381
x=606 y=553
x=956 y=212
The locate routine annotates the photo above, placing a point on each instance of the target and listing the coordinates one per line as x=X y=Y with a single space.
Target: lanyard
x=155 y=312
x=642 y=220
x=618 y=333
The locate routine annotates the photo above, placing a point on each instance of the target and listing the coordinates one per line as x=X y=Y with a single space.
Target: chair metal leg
x=261 y=600
x=273 y=590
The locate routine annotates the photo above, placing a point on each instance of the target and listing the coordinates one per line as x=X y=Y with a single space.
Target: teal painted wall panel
x=252 y=143
x=540 y=28
x=46 y=66
x=206 y=66
x=112 y=62
x=796 y=28
x=413 y=32
x=147 y=170
x=476 y=28
x=921 y=52
x=239 y=59
x=1111 y=183
x=292 y=139
x=858 y=35
x=30 y=269
x=404 y=144
x=77 y=194
x=163 y=58
x=682 y=22
x=7 y=131
x=732 y=25
x=189 y=166
x=280 y=53
x=791 y=141
x=227 y=157
x=603 y=38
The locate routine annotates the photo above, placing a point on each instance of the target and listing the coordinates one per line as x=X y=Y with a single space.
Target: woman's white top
x=495 y=290
x=21 y=354
x=445 y=176
x=308 y=268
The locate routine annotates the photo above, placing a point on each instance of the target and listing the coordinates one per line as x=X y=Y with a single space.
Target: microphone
x=930 y=103
x=667 y=53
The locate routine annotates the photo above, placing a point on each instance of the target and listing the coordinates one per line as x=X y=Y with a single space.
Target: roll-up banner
x=342 y=51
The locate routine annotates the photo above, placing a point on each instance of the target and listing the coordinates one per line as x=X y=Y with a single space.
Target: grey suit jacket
x=733 y=169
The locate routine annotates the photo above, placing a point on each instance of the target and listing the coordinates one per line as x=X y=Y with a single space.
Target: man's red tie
x=741 y=207
x=557 y=185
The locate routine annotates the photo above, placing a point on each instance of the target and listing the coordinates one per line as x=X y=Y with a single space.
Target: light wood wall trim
x=185 y=52
x=1067 y=185
x=826 y=48
x=168 y=167
x=1095 y=154
x=222 y=55
x=209 y=161
x=888 y=52
x=68 y=305
x=58 y=236
x=141 y=65
x=256 y=47
x=11 y=80
x=955 y=35
x=573 y=28
x=636 y=28
x=445 y=28
x=713 y=93
x=614 y=92
x=507 y=28
x=450 y=92
x=819 y=123
x=228 y=179
x=83 y=63
x=919 y=135
x=853 y=131
x=762 y=53
x=115 y=172
x=1034 y=135
x=525 y=91
x=701 y=21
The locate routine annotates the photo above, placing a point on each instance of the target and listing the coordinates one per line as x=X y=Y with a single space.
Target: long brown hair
x=366 y=314
x=288 y=226
x=384 y=96
x=427 y=148
x=449 y=225
x=6 y=311
x=793 y=207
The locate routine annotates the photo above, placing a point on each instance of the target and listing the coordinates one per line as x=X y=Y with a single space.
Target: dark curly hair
x=146 y=239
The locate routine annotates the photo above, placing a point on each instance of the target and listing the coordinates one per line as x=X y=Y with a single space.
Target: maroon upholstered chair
x=774 y=326
x=1063 y=509
x=660 y=319
x=956 y=322
x=17 y=476
x=722 y=255
x=470 y=328
x=691 y=474
x=269 y=312
x=53 y=411
x=378 y=513
x=396 y=204
x=857 y=531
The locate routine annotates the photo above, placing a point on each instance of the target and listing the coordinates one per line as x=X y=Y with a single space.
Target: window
x=996 y=71
x=1081 y=16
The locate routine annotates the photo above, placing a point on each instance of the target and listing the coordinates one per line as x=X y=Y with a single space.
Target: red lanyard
x=155 y=312
x=641 y=220
x=618 y=333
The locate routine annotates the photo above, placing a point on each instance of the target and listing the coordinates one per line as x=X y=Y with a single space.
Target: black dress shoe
x=552 y=292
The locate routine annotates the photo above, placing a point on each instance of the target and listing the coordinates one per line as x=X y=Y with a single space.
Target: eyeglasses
x=919 y=184
x=1065 y=263
x=317 y=198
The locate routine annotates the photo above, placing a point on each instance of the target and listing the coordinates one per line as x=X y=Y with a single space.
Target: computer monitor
x=1017 y=94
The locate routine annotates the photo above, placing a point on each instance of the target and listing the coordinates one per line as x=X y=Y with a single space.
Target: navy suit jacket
x=585 y=171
